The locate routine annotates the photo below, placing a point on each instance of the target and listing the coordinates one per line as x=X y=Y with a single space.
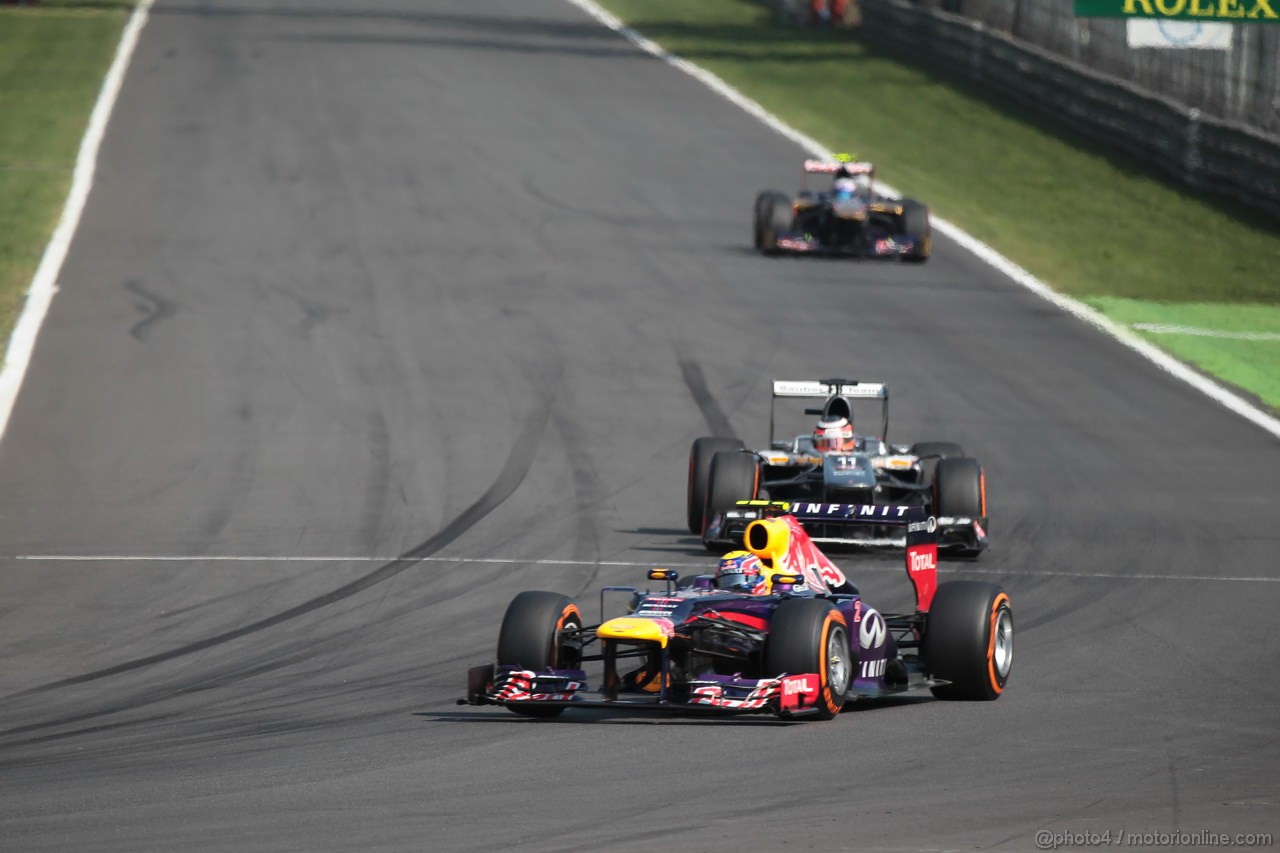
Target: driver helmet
x=843 y=189
x=742 y=571
x=833 y=435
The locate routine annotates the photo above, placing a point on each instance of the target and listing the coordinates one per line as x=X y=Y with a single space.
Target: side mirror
x=668 y=575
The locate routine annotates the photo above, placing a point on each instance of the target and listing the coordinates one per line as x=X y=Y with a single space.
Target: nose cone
x=631 y=629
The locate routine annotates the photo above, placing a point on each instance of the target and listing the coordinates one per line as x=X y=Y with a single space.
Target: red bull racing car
x=798 y=646
x=848 y=218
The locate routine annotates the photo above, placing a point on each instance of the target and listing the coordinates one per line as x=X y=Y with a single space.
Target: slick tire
x=968 y=640
x=811 y=635
x=914 y=222
x=529 y=638
x=735 y=476
x=774 y=215
x=960 y=490
x=700 y=456
x=933 y=451
x=957 y=488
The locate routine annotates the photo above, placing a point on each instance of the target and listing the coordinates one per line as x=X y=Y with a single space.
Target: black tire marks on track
x=509 y=479
x=696 y=382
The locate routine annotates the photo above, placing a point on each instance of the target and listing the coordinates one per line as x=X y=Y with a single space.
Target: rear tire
x=700 y=456
x=914 y=223
x=735 y=476
x=968 y=640
x=810 y=635
x=529 y=639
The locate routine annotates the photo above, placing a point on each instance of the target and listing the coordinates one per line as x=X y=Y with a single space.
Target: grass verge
x=1095 y=224
x=1239 y=343
x=52 y=61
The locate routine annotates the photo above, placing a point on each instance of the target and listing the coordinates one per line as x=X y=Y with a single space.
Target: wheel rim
x=1002 y=654
x=564 y=654
x=837 y=662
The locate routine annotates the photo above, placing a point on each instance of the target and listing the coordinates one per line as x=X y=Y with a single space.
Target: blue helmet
x=741 y=571
x=844 y=189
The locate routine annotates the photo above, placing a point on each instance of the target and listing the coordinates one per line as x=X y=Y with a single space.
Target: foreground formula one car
x=850 y=218
x=935 y=475
x=800 y=647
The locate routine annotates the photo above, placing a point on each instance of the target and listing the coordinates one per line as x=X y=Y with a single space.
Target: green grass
x=1093 y=223
x=1252 y=364
x=52 y=61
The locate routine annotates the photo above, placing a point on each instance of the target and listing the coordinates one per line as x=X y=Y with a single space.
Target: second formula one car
x=787 y=634
x=835 y=464
x=848 y=218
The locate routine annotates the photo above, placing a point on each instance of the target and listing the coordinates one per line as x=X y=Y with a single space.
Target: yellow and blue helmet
x=742 y=571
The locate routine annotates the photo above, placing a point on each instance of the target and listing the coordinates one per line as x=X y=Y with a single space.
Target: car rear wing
x=831 y=389
x=919 y=527
x=830 y=167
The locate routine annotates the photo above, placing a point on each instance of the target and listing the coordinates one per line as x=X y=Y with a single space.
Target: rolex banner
x=1144 y=32
x=1226 y=11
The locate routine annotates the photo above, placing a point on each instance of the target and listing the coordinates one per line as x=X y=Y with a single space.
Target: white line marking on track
x=1163 y=329
x=990 y=256
x=45 y=282
x=515 y=561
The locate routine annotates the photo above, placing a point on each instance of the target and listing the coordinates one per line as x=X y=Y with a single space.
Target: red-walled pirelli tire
x=968 y=640
x=931 y=453
x=529 y=638
x=957 y=488
x=735 y=476
x=700 y=472
x=960 y=491
x=810 y=635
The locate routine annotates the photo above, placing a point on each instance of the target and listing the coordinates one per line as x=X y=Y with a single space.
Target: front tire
x=960 y=491
x=933 y=452
x=531 y=638
x=774 y=216
x=810 y=635
x=968 y=640
x=914 y=223
x=700 y=456
x=735 y=476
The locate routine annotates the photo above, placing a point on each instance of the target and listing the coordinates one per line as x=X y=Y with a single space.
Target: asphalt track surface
x=417 y=285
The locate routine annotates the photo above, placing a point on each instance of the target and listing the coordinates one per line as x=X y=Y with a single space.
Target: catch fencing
x=1065 y=80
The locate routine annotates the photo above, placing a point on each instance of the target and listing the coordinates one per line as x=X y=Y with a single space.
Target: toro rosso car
x=848 y=218
x=937 y=476
x=800 y=648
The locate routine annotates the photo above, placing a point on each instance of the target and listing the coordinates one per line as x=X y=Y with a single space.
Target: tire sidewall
x=734 y=476
x=798 y=643
x=529 y=630
x=960 y=639
x=701 y=454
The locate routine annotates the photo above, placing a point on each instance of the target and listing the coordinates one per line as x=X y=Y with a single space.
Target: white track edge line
x=982 y=251
x=513 y=561
x=45 y=282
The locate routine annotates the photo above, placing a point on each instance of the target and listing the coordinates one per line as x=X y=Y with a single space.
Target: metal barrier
x=1234 y=159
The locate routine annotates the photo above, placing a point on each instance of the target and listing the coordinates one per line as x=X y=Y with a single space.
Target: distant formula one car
x=794 y=639
x=850 y=218
x=846 y=468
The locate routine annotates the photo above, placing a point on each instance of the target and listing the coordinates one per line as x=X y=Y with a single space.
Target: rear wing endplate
x=830 y=167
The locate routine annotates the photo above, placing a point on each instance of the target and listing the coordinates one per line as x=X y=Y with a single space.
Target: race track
x=381 y=312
